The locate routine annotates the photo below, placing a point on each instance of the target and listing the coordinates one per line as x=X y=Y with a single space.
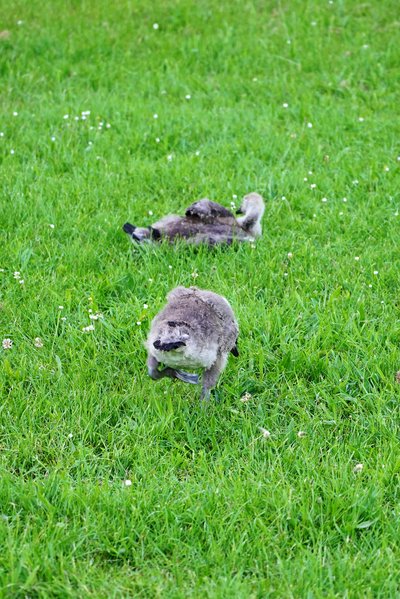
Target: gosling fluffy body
x=206 y=222
x=196 y=329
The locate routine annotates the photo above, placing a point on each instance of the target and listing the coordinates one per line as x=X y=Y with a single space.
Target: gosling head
x=252 y=208
x=170 y=336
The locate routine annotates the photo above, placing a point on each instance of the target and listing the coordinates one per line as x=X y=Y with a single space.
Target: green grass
x=214 y=509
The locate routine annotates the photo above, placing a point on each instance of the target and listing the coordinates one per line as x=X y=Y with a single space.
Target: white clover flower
x=77 y=118
x=155 y=116
x=12 y=151
x=376 y=272
x=20 y=22
x=356 y=258
x=309 y=125
x=66 y=116
x=17 y=275
x=345 y=200
x=145 y=306
x=195 y=275
x=156 y=26
x=365 y=46
x=266 y=434
x=361 y=119
x=313 y=185
x=108 y=126
x=51 y=226
x=169 y=157
x=197 y=152
x=138 y=323
x=305 y=179
x=246 y=397
x=283 y=198
x=290 y=255
x=7 y=344
x=170 y=267
x=355 y=182
x=63 y=318
x=370 y=286
x=285 y=274
x=15 y=113
x=234 y=196
x=70 y=435
x=387 y=169
x=38 y=342
x=358 y=468
x=188 y=96
x=310 y=172
x=313 y=23
x=95 y=316
x=301 y=434
x=324 y=200
x=151 y=280
x=88 y=328
x=1 y=134
x=150 y=213
x=285 y=105
x=21 y=282
x=157 y=140
x=53 y=138
x=61 y=307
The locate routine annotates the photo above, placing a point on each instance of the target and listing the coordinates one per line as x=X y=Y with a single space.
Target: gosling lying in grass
x=206 y=222
x=196 y=329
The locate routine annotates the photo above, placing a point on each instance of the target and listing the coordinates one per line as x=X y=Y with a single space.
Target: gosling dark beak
x=239 y=211
x=168 y=346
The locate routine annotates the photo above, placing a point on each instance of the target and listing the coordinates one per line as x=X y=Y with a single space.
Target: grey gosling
x=206 y=222
x=196 y=329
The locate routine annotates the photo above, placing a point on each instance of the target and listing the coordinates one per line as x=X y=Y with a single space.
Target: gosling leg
x=211 y=376
x=156 y=375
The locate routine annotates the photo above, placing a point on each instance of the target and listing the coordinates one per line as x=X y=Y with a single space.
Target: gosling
x=196 y=329
x=206 y=222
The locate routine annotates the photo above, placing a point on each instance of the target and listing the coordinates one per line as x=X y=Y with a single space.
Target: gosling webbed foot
x=156 y=374
x=205 y=395
x=187 y=377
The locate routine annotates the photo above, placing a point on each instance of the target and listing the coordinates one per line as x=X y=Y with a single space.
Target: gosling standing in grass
x=196 y=329
x=206 y=222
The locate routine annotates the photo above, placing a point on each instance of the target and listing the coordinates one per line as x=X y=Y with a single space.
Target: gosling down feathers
x=196 y=329
x=206 y=222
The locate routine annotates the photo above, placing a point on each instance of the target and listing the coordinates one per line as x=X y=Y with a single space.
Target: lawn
x=130 y=110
